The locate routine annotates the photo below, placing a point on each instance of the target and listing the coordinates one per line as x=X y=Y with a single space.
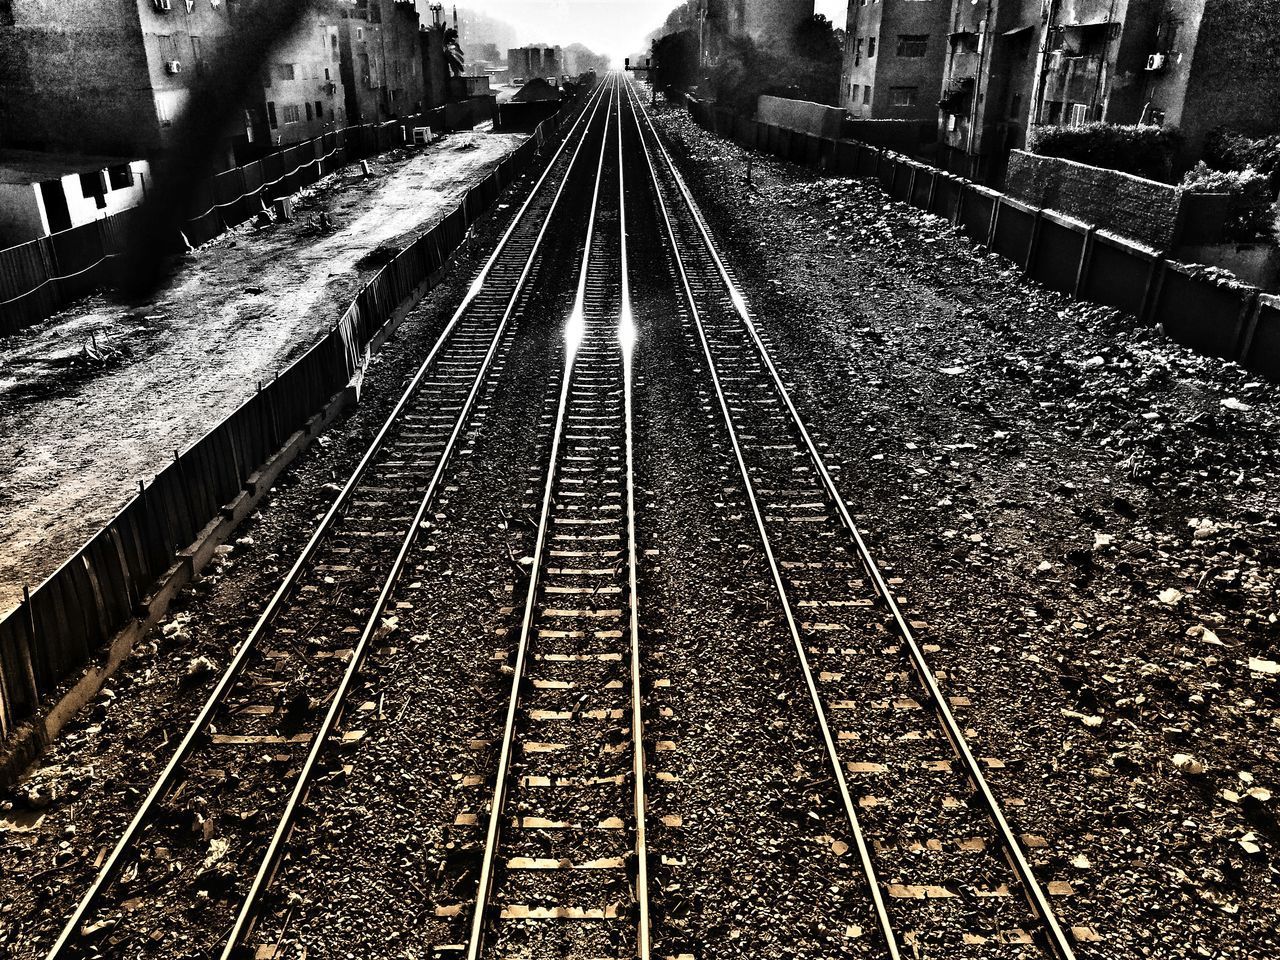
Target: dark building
x=894 y=55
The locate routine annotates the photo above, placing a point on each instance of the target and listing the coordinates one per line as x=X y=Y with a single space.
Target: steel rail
x=270 y=861
x=107 y=873
x=573 y=333
x=1026 y=875
x=828 y=742
x=627 y=340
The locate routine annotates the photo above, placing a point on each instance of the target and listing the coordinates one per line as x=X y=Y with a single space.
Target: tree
x=675 y=61
x=817 y=57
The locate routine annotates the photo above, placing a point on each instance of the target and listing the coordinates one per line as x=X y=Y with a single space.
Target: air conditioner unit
x=173 y=66
x=1157 y=61
x=164 y=6
x=421 y=136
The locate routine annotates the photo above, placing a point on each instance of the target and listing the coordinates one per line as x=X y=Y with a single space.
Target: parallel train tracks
x=558 y=850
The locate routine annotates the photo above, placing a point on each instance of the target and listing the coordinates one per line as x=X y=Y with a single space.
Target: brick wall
x=1143 y=210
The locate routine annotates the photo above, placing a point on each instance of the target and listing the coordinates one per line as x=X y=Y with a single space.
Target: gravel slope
x=1083 y=511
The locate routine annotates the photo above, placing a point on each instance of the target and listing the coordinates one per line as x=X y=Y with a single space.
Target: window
x=1079 y=115
x=289 y=113
x=903 y=96
x=168 y=47
x=283 y=71
x=359 y=33
x=308 y=106
x=866 y=94
x=913 y=44
x=326 y=74
x=333 y=46
x=857 y=52
x=871 y=47
x=375 y=11
x=94 y=184
x=197 y=56
x=121 y=176
x=319 y=110
x=271 y=114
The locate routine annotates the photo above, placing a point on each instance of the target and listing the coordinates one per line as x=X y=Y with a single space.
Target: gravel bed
x=760 y=863
x=1082 y=510
x=77 y=800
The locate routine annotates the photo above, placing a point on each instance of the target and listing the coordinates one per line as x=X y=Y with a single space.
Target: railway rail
x=940 y=858
x=563 y=864
x=280 y=699
x=556 y=858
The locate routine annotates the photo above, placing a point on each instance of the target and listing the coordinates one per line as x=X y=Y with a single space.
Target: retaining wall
x=68 y=623
x=1233 y=321
x=817 y=119
x=40 y=277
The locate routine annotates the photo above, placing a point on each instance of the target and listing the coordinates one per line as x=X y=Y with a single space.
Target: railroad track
x=559 y=836
x=942 y=864
x=188 y=873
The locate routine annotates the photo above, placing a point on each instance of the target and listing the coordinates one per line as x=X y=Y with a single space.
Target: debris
x=1188 y=764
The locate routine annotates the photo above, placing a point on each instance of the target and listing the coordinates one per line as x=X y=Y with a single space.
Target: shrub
x=1144 y=151
x=1252 y=213
x=1225 y=149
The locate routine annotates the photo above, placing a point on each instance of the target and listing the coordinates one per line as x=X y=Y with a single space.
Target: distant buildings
x=529 y=62
x=989 y=70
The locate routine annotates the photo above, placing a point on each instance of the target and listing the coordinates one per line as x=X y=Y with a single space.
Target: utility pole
x=984 y=31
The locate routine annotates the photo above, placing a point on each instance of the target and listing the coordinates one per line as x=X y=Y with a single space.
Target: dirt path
x=81 y=432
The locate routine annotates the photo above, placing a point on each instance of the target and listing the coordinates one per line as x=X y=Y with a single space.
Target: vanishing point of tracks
x=554 y=861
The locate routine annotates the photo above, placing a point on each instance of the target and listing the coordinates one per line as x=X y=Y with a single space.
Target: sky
x=615 y=27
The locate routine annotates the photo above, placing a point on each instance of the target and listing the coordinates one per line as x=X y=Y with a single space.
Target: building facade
x=1193 y=64
x=303 y=94
x=89 y=76
x=380 y=55
x=894 y=56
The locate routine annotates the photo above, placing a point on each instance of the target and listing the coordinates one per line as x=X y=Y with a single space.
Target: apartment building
x=102 y=77
x=894 y=58
x=302 y=90
x=1016 y=64
x=113 y=77
x=380 y=55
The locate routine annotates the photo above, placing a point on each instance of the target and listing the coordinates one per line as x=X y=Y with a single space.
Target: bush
x=1225 y=149
x=1252 y=214
x=1143 y=151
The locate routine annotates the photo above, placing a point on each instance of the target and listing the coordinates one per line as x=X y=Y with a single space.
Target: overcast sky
x=615 y=27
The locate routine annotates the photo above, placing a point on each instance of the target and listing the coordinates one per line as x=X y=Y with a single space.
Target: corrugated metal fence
x=67 y=621
x=1233 y=321
x=42 y=276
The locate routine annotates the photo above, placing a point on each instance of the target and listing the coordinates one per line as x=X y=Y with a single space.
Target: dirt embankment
x=101 y=395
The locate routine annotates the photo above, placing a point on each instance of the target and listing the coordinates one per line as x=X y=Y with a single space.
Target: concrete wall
x=817 y=119
x=1145 y=210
